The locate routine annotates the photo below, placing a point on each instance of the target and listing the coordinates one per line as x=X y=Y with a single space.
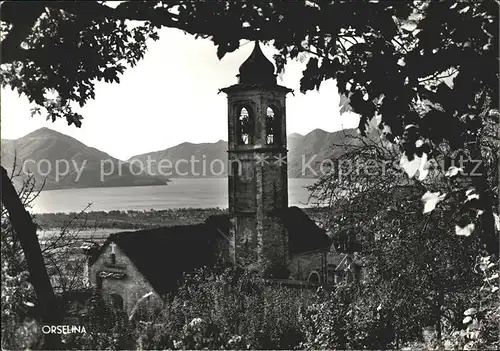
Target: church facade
x=260 y=233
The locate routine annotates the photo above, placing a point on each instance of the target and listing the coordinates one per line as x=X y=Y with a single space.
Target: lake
x=180 y=193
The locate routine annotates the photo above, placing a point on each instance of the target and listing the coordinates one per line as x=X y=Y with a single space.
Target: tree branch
x=91 y=10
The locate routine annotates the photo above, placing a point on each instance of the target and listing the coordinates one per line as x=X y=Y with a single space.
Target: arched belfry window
x=245 y=127
x=272 y=125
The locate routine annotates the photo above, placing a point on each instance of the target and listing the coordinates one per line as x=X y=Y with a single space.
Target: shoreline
x=132 y=219
x=124 y=219
x=182 y=193
x=170 y=180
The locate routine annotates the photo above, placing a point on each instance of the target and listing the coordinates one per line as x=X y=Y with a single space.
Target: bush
x=106 y=328
x=352 y=316
x=479 y=329
x=231 y=310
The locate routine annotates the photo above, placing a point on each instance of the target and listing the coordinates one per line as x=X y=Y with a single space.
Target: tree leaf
x=453 y=171
x=465 y=231
x=430 y=200
x=470 y=312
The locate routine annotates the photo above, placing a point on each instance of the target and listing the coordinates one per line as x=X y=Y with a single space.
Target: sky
x=171 y=97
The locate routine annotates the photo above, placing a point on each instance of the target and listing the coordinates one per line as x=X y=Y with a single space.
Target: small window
x=314 y=278
x=113 y=253
x=245 y=127
x=98 y=280
x=116 y=302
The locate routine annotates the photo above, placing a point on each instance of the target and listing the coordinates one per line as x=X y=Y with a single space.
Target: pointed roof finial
x=257 y=69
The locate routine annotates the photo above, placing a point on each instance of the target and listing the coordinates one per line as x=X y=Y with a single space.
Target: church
x=260 y=233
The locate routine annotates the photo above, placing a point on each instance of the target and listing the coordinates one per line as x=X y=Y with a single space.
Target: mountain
x=80 y=166
x=176 y=161
x=64 y=162
x=306 y=154
x=210 y=159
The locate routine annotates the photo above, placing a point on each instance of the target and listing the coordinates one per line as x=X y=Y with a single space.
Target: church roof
x=303 y=233
x=162 y=255
x=257 y=69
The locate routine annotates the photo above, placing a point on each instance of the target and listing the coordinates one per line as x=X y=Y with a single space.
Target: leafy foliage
x=65 y=54
x=418 y=273
x=401 y=51
x=350 y=317
x=428 y=69
x=106 y=328
x=224 y=310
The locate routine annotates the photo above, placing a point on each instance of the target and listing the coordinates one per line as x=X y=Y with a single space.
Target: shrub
x=106 y=328
x=230 y=310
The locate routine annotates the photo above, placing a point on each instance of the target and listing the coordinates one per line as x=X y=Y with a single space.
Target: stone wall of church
x=272 y=193
x=121 y=278
x=244 y=188
x=273 y=243
x=274 y=187
x=245 y=237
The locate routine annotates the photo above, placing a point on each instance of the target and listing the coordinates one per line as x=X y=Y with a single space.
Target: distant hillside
x=315 y=147
x=172 y=161
x=310 y=149
x=43 y=150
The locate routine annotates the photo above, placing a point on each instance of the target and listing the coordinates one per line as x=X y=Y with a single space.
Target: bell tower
x=258 y=170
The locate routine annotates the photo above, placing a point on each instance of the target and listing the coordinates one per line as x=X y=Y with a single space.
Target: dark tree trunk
x=25 y=229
